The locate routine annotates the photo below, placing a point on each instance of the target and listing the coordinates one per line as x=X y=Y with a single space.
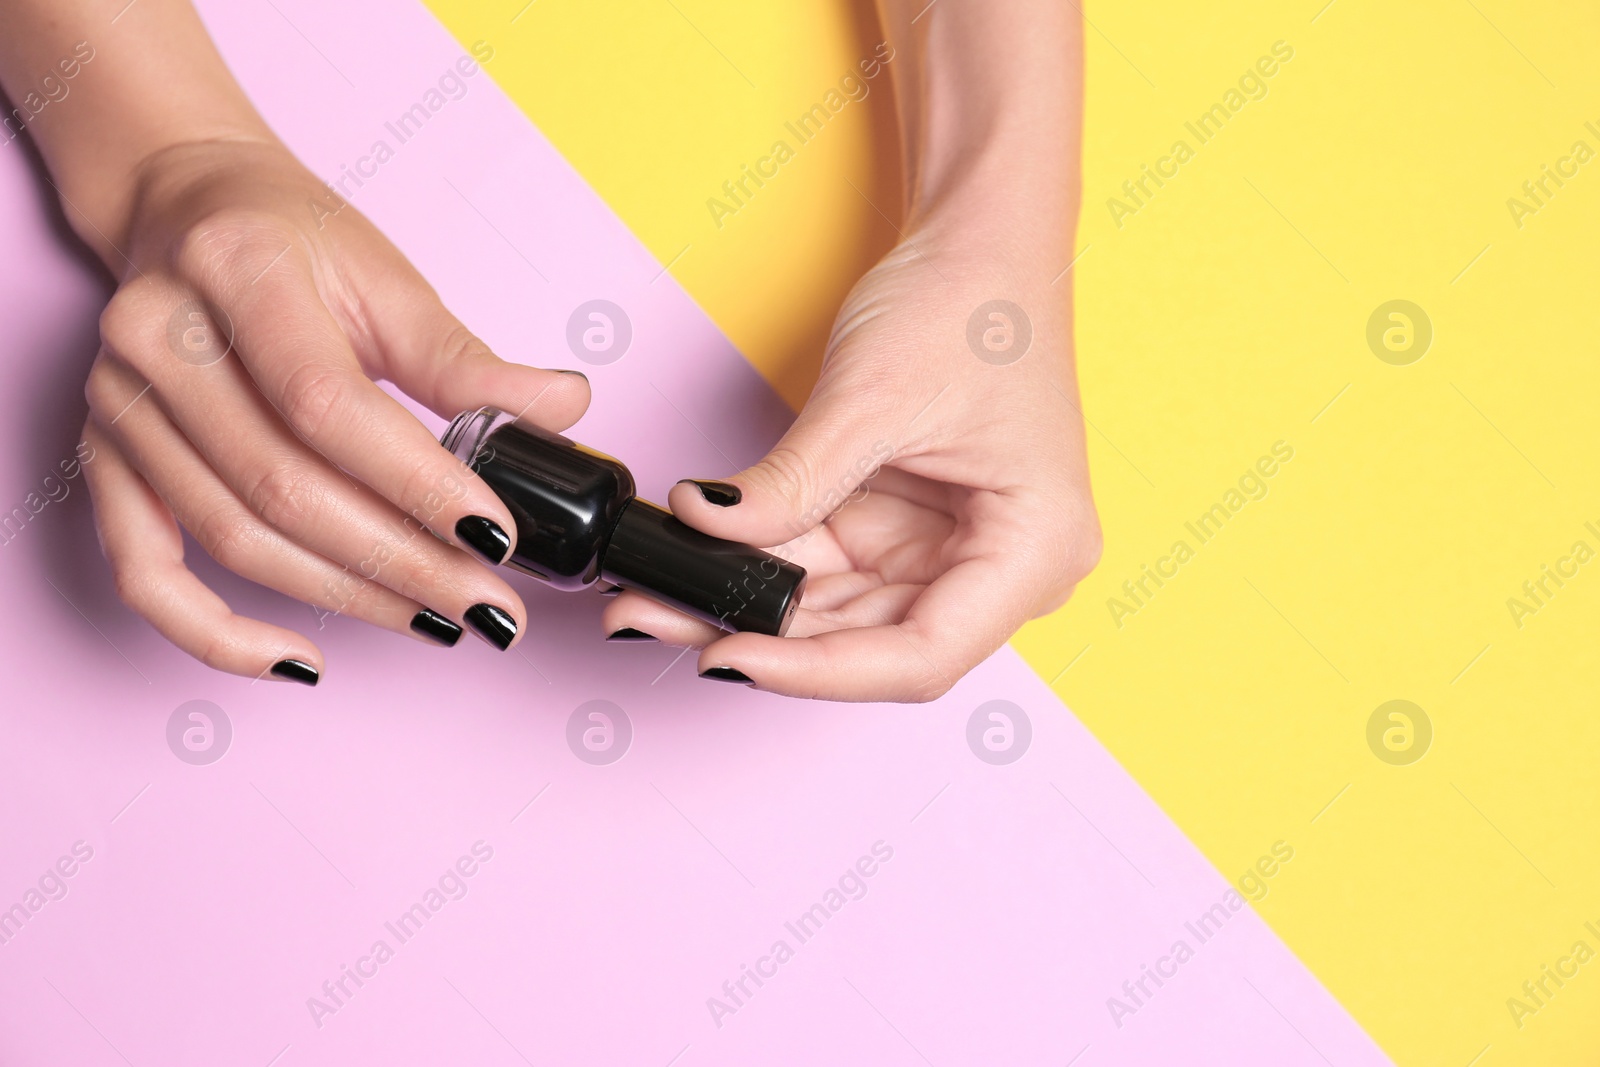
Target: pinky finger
x=142 y=543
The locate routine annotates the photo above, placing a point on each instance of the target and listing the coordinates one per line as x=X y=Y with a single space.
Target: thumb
x=437 y=361
x=809 y=474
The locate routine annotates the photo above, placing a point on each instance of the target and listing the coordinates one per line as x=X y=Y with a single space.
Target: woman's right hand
x=234 y=396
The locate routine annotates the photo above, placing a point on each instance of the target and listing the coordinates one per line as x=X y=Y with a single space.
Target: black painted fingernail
x=293 y=670
x=721 y=494
x=431 y=624
x=727 y=674
x=492 y=624
x=628 y=633
x=484 y=537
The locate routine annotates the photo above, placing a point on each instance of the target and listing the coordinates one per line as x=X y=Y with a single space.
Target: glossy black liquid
x=484 y=537
x=727 y=674
x=430 y=623
x=492 y=624
x=294 y=670
x=578 y=521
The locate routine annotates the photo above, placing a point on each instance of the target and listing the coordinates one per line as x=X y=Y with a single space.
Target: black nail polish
x=432 y=624
x=721 y=494
x=484 y=537
x=578 y=522
x=492 y=624
x=628 y=633
x=727 y=674
x=294 y=670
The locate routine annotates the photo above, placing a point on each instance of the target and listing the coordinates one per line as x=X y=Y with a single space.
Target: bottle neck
x=469 y=432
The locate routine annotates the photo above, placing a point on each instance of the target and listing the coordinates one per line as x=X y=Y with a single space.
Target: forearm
x=100 y=96
x=989 y=97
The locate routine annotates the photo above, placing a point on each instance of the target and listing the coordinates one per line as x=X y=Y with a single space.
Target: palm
x=876 y=555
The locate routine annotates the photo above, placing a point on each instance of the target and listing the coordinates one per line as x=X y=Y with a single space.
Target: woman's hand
x=944 y=448
x=234 y=396
x=943 y=444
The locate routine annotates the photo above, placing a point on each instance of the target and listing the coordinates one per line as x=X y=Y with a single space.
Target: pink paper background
x=219 y=898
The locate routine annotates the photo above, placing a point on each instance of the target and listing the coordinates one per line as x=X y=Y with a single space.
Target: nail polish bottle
x=578 y=522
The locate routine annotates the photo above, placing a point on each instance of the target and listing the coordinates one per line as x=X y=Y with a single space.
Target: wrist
x=993 y=158
x=989 y=103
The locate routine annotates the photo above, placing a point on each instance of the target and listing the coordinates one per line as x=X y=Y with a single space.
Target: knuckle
x=424 y=492
x=285 y=497
x=786 y=474
x=933 y=670
x=228 y=241
x=462 y=345
x=933 y=686
x=125 y=323
x=346 y=592
x=136 y=587
x=220 y=651
x=312 y=398
x=231 y=537
x=101 y=391
x=421 y=581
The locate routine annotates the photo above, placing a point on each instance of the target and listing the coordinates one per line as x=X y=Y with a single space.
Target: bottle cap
x=728 y=584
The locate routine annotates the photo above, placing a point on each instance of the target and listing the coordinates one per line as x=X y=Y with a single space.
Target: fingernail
x=727 y=674
x=578 y=373
x=492 y=624
x=721 y=494
x=628 y=633
x=484 y=537
x=293 y=670
x=431 y=624
x=610 y=590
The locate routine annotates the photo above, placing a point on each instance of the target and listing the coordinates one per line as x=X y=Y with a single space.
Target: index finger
x=301 y=360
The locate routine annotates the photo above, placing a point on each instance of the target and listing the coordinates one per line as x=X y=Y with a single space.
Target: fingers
x=1017 y=554
x=823 y=459
x=300 y=359
x=842 y=602
x=309 y=504
x=145 y=549
x=236 y=538
x=428 y=353
x=951 y=627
